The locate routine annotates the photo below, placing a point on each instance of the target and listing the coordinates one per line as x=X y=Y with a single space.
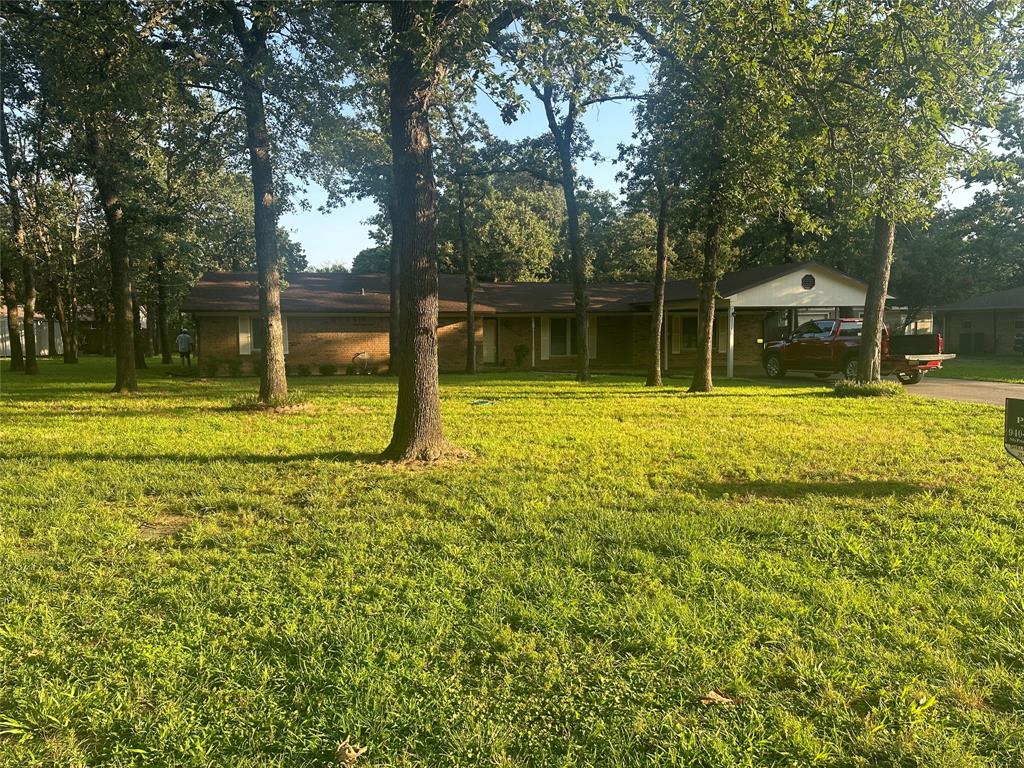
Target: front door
x=490 y=341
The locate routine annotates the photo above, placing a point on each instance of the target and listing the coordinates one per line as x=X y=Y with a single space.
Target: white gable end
x=828 y=289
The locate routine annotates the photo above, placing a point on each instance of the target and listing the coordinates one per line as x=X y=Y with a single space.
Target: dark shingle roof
x=1012 y=298
x=340 y=292
x=312 y=292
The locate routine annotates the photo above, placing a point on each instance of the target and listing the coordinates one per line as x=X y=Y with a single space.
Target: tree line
x=144 y=142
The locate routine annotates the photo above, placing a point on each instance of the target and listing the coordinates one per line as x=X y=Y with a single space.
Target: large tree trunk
x=161 y=309
x=658 y=305
x=51 y=335
x=417 y=431
x=13 y=318
x=273 y=384
x=120 y=274
x=57 y=313
x=71 y=340
x=706 y=308
x=870 y=363
x=395 y=306
x=579 y=266
x=28 y=285
x=467 y=262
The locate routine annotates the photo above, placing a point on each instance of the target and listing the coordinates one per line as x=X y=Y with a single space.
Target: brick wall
x=451 y=342
x=989 y=332
x=320 y=340
x=217 y=340
x=641 y=341
x=747 y=330
x=614 y=341
x=622 y=342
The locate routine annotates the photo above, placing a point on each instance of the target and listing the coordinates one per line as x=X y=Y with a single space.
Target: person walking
x=185 y=345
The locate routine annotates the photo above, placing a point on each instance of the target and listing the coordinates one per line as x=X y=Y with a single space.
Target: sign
x=1013 y=432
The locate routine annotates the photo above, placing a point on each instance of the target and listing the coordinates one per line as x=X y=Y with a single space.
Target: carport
x=757 y=305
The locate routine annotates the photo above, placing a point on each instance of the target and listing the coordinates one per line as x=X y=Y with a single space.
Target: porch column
x=730 y=349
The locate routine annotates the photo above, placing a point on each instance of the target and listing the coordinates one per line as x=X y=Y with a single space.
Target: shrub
x=211 y=368
x=234 y=368
x=850 y=388
x=289 y=369
x=328 y=369
x=257 y=366
x=351 y=369
x=302 y=370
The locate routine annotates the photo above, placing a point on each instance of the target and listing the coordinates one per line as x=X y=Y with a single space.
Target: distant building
x=41 y=327
x=986 y=324
x=335 y=318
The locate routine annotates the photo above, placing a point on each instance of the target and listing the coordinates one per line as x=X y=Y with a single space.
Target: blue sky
x=339 y=235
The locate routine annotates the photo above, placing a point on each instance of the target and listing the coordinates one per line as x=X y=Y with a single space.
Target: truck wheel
x=851 y=368
x=909 y=377
x=773 y=367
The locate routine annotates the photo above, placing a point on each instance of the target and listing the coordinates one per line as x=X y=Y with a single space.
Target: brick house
x=983 y=324
x=331 y=318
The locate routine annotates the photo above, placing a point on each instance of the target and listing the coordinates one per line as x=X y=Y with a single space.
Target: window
x=1018 y=324
x=850 y=329
x=256 y=338
x=815 y=329
x=965 y=323
x=689 y=333
x=563 y=336
x=250 y=334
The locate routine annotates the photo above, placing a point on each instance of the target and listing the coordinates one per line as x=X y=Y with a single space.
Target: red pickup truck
x=825 y=347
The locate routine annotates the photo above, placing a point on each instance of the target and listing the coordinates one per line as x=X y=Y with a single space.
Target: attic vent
x=807 y=282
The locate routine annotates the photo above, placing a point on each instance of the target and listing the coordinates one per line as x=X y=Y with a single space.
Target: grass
x=850 y=388
x=1008 y=368
x=187 y=585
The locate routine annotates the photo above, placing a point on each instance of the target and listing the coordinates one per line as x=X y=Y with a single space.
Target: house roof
x=1012 y=298
x=342 y=293
x=328 y=292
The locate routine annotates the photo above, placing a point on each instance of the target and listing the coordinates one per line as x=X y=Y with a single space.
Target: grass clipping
x=850 y=388
x=295 y=401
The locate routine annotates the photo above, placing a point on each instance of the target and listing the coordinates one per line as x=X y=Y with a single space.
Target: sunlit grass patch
x=851 y=388
x=188 y=585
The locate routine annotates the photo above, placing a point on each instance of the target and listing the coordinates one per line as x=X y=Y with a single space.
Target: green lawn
x=1009 y=368
x=183 y=585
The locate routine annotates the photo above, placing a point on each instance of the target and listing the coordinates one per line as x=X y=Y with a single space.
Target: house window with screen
x=563 y=333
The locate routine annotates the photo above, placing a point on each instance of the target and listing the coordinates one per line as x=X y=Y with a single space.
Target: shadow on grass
x=363 y=457
x=798 y=489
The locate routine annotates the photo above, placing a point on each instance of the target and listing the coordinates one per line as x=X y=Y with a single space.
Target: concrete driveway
x=965 y=390
x=989 y=392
